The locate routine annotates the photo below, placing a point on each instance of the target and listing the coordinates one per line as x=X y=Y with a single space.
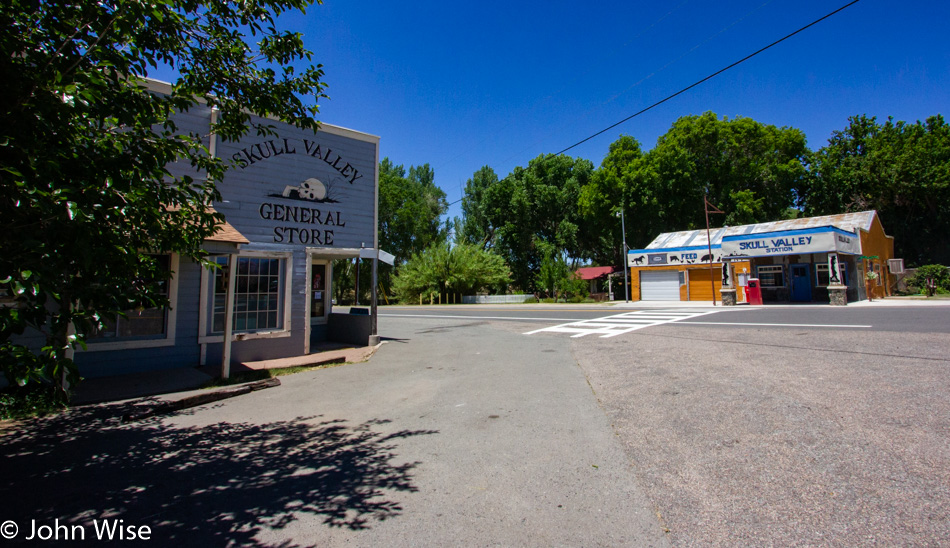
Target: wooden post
x=712 y=269
x=229 y=316
x=374 y=333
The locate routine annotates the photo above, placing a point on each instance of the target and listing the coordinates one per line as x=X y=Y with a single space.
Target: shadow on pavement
x=213 y=485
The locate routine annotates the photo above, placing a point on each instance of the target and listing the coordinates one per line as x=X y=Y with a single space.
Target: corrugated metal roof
x=844 y=221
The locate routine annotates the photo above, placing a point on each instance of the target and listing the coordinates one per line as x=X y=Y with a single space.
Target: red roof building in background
x=595 y=272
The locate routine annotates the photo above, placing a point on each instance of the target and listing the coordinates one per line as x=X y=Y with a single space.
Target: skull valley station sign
x=312 y=190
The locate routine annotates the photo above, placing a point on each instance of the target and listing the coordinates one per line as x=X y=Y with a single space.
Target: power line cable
x=691 y=86
x=713 y=75
x=578 y=76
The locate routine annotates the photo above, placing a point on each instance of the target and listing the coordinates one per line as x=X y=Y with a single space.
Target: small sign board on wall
x=655 y=257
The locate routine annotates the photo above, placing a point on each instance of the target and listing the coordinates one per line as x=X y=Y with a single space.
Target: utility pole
x=623 y=256
x=712 y=270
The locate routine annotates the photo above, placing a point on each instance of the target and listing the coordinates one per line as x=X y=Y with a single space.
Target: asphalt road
x=766 y=427
x=462 y=430
x=916 y=319
x=787 y=436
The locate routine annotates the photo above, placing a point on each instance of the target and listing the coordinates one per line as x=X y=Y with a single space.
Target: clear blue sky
x=460 y=85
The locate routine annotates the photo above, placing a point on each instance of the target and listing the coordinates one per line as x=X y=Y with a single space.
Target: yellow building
x=795 y=261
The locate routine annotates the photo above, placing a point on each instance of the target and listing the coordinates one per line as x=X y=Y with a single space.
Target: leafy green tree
x=899 y=169
x=534 y=206
x=410 y=209
x=552 y=271
x=601 y=200
x=556 y=280
x=86 y=150
x=441 y=268
x=475 y=227
x=749 y=170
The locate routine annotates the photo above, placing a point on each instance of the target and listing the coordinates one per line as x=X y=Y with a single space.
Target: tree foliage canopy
x=86 y=149
x=601 y=201
x=753 y=172
x=747 y=169
x=902 y=170
x=410 y=207
x=475 y=227
x=533 y=206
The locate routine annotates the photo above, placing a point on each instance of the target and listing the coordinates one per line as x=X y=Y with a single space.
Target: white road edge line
x=782 y=324
x=482 y=317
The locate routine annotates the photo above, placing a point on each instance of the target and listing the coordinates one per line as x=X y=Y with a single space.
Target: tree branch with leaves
x=96 y=175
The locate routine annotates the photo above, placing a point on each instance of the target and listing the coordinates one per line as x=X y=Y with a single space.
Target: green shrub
x=531 y=300
x=939 y=274
x=34 y=399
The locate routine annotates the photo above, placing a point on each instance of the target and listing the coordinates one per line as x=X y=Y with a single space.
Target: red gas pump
x=754 y=292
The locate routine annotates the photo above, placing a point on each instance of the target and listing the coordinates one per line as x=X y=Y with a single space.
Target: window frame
x=171 y=320
x=276 y=311
x=206 y=308
x=773 y=268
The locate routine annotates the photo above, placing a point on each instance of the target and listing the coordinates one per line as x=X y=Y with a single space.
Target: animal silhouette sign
x=643 y=257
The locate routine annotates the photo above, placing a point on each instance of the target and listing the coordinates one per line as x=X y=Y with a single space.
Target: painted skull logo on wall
x=312 y=190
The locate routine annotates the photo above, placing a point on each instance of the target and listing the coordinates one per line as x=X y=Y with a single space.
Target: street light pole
x=623 y=256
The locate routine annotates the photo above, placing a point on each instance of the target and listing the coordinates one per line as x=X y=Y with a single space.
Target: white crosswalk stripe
x=611 y=326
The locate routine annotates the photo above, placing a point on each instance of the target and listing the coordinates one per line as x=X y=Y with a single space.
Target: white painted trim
x=306 y=305
x=126 y=345
x=350 y=133
x=245 y=336
x=171 y=321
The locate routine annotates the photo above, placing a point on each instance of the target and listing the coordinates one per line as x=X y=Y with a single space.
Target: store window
x=146 y=323
x=259 y=285
x=771 y=276
x=822 y=278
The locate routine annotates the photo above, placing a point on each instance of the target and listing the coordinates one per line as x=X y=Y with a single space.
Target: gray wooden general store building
x=294 y=203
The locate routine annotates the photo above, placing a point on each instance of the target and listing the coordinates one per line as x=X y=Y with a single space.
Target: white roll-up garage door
x=659 y=285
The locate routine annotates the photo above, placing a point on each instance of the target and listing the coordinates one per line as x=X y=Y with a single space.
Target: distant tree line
x=560 y=209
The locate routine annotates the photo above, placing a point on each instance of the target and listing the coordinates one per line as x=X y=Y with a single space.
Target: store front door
x=801 y=283
x=321 y=273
